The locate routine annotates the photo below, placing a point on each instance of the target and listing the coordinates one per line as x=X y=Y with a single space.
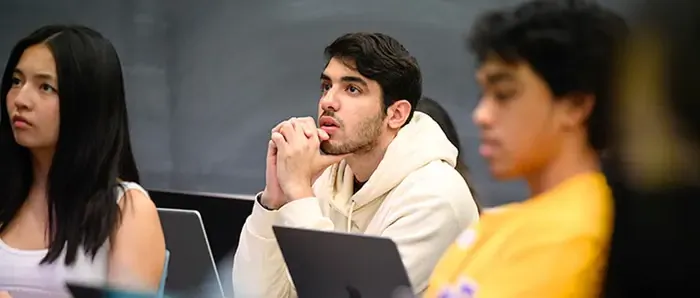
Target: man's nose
x=329 y=101
x=482 y=115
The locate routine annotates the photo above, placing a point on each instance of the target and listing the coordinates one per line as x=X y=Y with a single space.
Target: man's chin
x=502 y=174
x=332 y=152
x=328 y=149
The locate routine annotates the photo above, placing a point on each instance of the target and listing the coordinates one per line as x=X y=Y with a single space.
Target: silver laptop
x=191 y=270
x=331 y=264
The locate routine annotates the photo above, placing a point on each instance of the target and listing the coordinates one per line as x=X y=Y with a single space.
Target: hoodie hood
x=417 y=144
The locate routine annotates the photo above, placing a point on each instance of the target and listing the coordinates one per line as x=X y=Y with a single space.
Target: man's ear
x=398 y=113
x=578 y=108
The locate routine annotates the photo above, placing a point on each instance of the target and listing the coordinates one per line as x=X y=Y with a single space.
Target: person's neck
x=41 y=164
x=365 y=163
x=573 y=159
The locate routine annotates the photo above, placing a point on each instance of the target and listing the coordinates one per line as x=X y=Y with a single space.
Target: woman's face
x=32 y=101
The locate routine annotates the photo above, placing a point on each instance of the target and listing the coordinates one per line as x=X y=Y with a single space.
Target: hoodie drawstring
x=349 y=216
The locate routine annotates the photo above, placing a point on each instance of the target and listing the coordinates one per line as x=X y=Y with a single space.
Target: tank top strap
x=124 y=186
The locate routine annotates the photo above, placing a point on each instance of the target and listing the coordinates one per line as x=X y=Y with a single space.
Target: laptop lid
x=191 y=270
x=85 y=291
x=331 y=264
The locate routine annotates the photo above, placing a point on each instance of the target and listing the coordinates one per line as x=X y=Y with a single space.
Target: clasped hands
x=294 y=161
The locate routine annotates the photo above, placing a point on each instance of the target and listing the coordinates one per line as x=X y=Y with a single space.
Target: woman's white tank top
x=23 y=276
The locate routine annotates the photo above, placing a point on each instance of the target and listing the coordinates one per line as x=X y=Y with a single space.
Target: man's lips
x=328 y=121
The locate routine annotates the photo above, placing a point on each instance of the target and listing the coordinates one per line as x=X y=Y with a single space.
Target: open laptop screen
x=331 y=264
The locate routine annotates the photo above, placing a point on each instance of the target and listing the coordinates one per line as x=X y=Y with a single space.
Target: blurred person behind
x=433 y=109
x=70 y=206
x=544 y=69
x=655 y=167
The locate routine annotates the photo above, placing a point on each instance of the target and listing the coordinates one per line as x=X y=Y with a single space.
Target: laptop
x=331 y=264
x=191 y=271
x=85 y=291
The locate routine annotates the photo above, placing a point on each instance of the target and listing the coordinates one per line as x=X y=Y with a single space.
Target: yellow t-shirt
x=552 y=245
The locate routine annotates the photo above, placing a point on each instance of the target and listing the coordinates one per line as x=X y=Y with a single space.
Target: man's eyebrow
x=347 y=79
x=498 y=77
x=353 y=79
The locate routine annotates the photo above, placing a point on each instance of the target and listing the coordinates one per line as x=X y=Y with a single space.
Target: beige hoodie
x=415 y=197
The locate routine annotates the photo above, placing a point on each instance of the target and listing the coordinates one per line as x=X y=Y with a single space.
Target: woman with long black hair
x=70 y=206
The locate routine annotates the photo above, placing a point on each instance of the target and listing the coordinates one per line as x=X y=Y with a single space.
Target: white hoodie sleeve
x=259 y=270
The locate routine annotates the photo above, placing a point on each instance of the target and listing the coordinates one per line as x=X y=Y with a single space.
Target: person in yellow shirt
x=545 y=69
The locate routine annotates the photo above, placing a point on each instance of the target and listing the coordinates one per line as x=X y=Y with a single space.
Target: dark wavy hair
x=570 y=44
x=433 y=109
x=381 y=58
x=93 y=150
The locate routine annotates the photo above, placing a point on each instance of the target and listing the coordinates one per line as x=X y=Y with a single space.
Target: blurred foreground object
x=654 y=169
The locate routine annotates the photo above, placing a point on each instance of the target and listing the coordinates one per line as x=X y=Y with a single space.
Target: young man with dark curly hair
x=387 y=171
x=545 y=70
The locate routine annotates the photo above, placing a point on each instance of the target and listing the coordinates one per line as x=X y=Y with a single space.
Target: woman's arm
x=138 y=246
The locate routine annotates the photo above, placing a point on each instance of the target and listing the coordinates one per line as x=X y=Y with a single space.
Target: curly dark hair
x=381 y=58
x=571 y=45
